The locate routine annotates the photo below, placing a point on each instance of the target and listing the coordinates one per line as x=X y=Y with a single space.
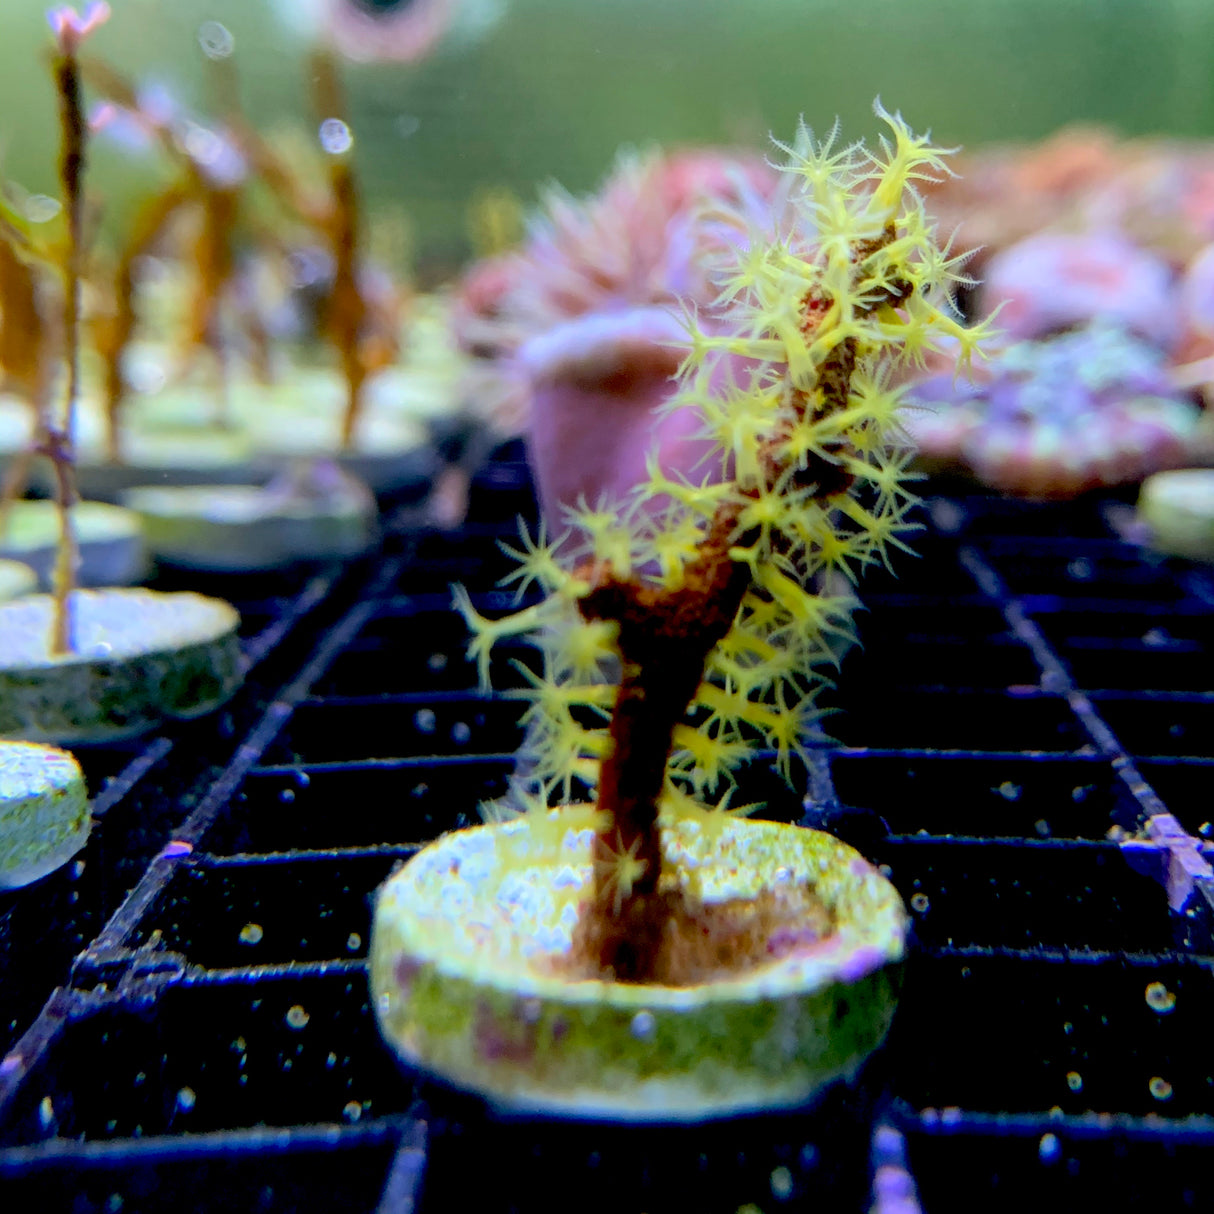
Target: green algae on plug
x=44 y=812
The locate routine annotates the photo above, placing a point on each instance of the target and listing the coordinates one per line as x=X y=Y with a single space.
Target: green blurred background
x=555 y=86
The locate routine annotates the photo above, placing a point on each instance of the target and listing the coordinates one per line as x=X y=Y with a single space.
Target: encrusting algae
x=710 y=596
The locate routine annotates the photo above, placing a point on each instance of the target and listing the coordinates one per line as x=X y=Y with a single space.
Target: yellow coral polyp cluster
x=790 y=376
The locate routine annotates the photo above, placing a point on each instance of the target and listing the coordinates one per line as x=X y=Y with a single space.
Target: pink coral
x=1055 y=281
x=71 y=28
x=400 y=34
x=583 y=324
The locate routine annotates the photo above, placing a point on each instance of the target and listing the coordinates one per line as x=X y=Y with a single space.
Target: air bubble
x=335 y=137
x=643 y=1026
x=920 y=903
x=1074 y=1081
x=46 y=1113
x=354 y=942
x=286 y=794
x=1159 y=998
x=297 y=1017
x=1009 y=791
x=251 y=933
x=215 y=40
x=425 y=720
x=186 y=1099
x=1160 y=1088
x=41 y=208
x=781 y=1183
x=353 y=1111
x=1049 y=1148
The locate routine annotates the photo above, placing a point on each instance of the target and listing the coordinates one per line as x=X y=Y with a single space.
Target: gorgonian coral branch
x=722 y=582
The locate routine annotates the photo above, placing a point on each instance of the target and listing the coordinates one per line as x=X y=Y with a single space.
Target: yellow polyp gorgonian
x=823 y=298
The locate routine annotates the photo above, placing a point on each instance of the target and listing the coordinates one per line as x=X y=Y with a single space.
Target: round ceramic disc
x=110 y=540
x=241 y=527
x=1179 y=509
x=466 y=971
x=137 y=657
x=44 y=812
x=16 y=578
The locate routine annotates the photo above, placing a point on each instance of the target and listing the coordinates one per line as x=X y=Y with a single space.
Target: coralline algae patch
x=510 y=898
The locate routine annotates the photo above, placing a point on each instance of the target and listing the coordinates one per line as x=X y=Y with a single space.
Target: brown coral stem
x=665 y=637
x=59 y=440
x=345 y=309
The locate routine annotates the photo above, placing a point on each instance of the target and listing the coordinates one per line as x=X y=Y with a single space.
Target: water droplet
x=46 y=1113
x=1074 y=1081
x=437 y=661
x=114 y=1203
x=286 y=794
x=425 y=720
x=643 y=1026
x=1042 y=827
x=335 y=136
x=1049 y=1148
x=1009 y=791
x=407 y=124
x=353 y=1111
x=1161 y=1089
x=460 y=733
x=215 y=40
x=251 y=933
x=1159 y=998
x=920 y=903
x=781 y=1183
x=186 y=1099
x=41 y=208
x=1080 y=569
x=297 y=1017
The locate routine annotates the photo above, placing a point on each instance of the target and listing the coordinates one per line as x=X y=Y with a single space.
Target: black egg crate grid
x=185 y=1017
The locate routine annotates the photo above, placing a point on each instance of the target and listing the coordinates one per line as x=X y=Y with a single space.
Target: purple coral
x=1054 y=281
x=1052 y=419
